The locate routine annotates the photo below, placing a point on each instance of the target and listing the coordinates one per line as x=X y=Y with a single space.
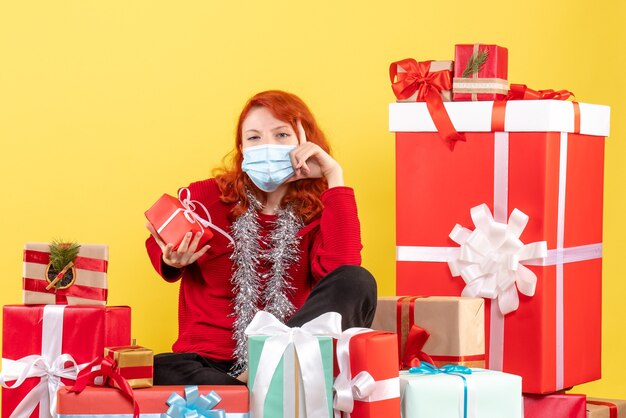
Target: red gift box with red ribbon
x=45 y=345
x=480 y=72
x=173 y=218
x=368 y=385
x=544 y=158
x=88 y=284
x=556 y=405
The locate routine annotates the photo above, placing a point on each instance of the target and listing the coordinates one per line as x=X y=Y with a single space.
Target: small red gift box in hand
x=172 y=218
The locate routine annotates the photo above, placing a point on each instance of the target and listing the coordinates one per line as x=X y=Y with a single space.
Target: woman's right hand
x=185 y=254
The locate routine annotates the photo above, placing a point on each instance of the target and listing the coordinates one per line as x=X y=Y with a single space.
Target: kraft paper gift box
x=290 y=370
x=134 y=363
x=606 y=408
x=87 y=284
x=53 y=338
x=483 y=393
x=555 y=405
x=541 y=158
x=367 y=385
x=490 y=82
x=456 y=326
x=400 y=70
x=104 y=402
x=172 y=218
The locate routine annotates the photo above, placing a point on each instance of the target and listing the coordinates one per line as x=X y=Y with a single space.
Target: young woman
x=286 y=240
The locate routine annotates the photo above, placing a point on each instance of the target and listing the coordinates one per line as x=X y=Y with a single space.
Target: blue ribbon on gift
x=452 y=369
x=194 y=405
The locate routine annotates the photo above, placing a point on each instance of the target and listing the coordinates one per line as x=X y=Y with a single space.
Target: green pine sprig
x=476 y=62
x=62 y=253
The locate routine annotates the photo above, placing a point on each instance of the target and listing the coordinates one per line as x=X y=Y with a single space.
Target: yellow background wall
x=104 y=105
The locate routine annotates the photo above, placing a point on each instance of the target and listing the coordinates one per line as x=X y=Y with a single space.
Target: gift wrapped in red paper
x=104 y=401
x=555 y=405
x=85 y=283
x=44 y=343
x=480 y=72
x=172 y=218
x=368 y=383
x=518 y=206
x=134 y=363
x=451 y=329
x=606 y=408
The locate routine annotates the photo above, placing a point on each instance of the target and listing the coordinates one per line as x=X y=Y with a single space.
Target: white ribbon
x=491 y=257
x=189 y=211
x=361 y=387
x=309 y=357
x=49 y=367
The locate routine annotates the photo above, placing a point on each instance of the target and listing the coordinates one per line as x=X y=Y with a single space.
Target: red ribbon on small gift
x=413 y=354
x=522 y=92
x=109 y=370
x=428 y=85
x=613 y=411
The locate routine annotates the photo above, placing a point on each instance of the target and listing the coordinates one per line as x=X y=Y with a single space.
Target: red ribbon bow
x=413 y=354
x=428 y=85
x=109 y=370
x=522 y=92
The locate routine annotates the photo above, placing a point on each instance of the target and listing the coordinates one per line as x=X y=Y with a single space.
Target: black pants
x=349 y=290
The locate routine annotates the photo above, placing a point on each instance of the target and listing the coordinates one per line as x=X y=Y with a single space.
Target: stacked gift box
x=66 y=353
x=499 y=197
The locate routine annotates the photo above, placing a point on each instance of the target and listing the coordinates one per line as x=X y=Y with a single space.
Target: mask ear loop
x=190 y=205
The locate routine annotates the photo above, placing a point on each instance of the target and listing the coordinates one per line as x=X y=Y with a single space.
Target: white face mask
x=268 y=166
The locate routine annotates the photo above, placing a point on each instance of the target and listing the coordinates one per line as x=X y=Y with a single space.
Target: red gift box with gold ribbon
x=544 y=158
x=480 y=72
x=46 y=345
x=88 y=284
x=368 y=383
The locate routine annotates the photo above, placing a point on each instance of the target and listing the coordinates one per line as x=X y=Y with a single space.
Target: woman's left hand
x=311 y=161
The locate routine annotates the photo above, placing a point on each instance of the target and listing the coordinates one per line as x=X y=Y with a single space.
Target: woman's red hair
x=304 y=195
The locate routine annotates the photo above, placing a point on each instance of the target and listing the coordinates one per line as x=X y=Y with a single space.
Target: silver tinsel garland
x=282 y=251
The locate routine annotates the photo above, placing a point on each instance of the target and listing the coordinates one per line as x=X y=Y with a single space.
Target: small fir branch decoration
x=62 y=256
x=476 y=63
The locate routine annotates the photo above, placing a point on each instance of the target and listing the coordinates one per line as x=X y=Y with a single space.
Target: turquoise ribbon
x=194 y=405
x=452 y=369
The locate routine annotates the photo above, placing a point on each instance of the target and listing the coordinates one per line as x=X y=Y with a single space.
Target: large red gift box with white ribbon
x=528 y=176
x=44 y=346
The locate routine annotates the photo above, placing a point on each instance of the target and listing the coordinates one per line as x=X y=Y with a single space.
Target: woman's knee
x=354 y=279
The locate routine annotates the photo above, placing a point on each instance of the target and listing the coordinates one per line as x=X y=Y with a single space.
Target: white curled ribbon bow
x=309 y=357
x=44 y=394
x=491 y=258
x=361 y=387
x=189 y=211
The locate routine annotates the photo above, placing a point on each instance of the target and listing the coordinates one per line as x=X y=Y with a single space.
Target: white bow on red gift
x=491 y=258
